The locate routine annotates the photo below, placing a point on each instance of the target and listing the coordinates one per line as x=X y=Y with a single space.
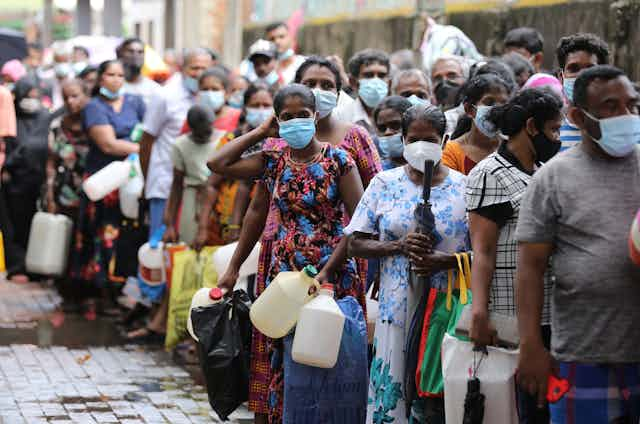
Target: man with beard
x=131 y=54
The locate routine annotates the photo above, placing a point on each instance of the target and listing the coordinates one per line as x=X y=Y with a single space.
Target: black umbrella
x=12 y=45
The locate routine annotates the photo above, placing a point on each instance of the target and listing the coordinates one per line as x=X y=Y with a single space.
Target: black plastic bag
x=224 y=331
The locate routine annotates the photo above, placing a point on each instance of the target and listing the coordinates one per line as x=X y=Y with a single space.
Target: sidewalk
x=86 y=384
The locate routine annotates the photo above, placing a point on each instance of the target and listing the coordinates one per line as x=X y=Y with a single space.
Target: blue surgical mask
x=111 y=95
x=79 y=67
x=271 y=78
x=326 y=101
x=567 y=85
x=285 y=55
x=190 y=84
x=372 y=91
x=415 y=100
x=619 y=135
x=257 y=115
x=212 y=99
x=62 y=69
x=391 y=146
x=298 y=132
x=484 y=126
x=236 y=100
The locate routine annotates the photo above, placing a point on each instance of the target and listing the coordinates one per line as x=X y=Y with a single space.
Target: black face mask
x=544 y=147
x=446 y=92
x=131 y=70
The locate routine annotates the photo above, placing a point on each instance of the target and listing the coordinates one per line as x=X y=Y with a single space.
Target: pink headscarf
x=14 y=69
x=545 y=80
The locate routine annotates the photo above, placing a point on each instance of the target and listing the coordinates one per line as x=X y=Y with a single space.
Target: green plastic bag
x=441 y=316
x=191 y=272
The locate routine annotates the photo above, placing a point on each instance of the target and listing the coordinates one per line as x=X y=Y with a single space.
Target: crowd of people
x=536 y=175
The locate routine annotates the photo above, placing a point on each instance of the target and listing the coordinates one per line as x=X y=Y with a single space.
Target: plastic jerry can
x=106 y=180
x=275 y=311
x=222 y=256
x=203 y=297
x=319 y=331
x=49 y=243
x=131 y=191
x=151 y=264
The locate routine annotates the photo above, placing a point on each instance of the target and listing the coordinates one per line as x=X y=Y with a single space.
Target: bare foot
x=19 y=279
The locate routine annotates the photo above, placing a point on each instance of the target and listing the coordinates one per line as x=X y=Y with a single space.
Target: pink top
x=7 y=114
x=357 y=143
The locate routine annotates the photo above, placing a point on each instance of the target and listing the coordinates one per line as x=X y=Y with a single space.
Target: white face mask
x=418 y=152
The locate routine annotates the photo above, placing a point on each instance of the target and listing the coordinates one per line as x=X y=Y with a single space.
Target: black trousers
x=16 y=213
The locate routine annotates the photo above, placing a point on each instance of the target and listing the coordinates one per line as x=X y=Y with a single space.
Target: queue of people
x=535 y=175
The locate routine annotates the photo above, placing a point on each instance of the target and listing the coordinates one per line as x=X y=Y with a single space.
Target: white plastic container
x=109 y=178
x=373 y=312
x=131 y=191
x=222 y=256
x=203 y=297
x=151 y=264
x=275 y=311
x=319 y=331
x=49 y=242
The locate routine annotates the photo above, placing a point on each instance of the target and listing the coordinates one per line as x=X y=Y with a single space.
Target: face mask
x=445 y=92
x=372 y=91
x=619 y=135
x=415 y=100
x=131 y=70
x=190 y=84
x=271 y=78
x=212 y=99
x=10 y=86
x=62 y=69
x=418 y=152
x=285 y=55
x=236 y=100
x=484 y=126
x=29 y=105
x=544 y=147
x=298 y=132
x=326 y=101
x=391 y=146
x=111 y=95
x=79 y=67
x=567 y=85
x=257 y=115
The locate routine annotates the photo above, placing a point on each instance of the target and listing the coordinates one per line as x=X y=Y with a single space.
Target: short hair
x=497 y=67
x=367 y=57
x=408 y=73
x=199 y=115
x=518 y=63
x=464 y=65
x=587 y=76
x=397 y=103
x=526 y=38
x=82 y=49
x=406 y=57
x=102 y=68
x=216 y=72
x=275 y=25
x=86 y=71
x=188 y=54
x=77 y=82
x=541 y=104
x=255 y=88
x=294 y=90
x=426 y=113
x=322 y=62
x=587 y=42
x=126 y=42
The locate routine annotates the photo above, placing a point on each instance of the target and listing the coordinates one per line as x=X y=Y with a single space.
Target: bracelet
x=233 y=227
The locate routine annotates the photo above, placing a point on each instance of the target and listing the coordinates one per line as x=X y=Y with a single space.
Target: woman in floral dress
x=383 y=226
x=312 y=185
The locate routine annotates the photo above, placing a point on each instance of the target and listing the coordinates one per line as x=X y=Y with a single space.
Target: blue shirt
x=569 y=135
x=99 y=112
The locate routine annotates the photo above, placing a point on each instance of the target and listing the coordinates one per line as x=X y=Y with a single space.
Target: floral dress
x=387 y=210
x=310 y=225
x=69 y=153
x=360 y=147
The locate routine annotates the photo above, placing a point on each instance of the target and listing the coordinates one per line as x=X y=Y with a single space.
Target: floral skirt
x=95 y=238
x=386 y=402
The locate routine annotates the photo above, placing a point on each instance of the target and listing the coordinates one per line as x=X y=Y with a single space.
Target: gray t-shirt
x=584 y=205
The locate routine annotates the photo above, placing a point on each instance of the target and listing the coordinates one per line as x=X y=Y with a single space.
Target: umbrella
x=12 y=45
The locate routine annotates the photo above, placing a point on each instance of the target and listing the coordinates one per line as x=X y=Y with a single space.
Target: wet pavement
x=59 y=368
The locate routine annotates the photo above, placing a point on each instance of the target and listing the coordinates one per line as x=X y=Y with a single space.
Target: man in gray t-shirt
x=578 y=211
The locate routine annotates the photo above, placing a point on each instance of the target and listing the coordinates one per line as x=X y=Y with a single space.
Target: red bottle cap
x=327 y=286
x=215 y=293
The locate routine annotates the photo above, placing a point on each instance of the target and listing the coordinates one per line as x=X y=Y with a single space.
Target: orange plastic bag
x=169 y=252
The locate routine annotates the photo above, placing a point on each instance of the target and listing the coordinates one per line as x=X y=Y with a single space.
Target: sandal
x=146 y=336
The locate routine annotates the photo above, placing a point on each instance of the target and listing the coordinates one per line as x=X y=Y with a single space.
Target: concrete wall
x=617 y=22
